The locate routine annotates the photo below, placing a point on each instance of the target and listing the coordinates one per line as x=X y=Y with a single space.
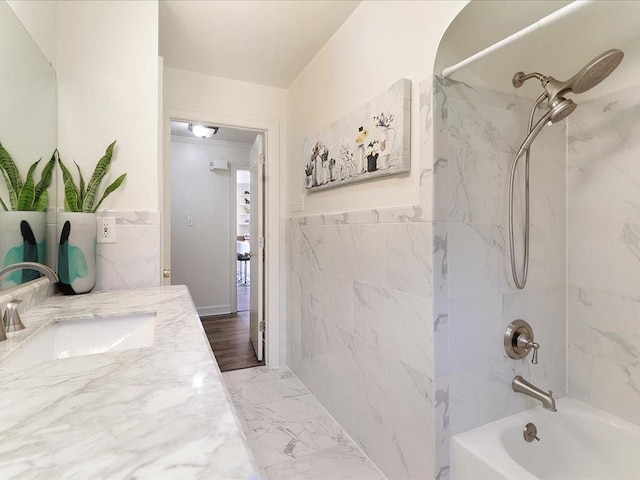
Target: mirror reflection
x=28 y=139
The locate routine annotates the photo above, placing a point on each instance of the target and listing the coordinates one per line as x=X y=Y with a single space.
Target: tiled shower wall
x=604 y=254
x=476 y=135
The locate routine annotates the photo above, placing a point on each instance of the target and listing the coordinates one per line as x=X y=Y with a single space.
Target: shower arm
x=520 y=77
x=521 y=283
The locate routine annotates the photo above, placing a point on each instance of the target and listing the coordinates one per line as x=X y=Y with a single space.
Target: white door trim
x=233 y=254
x=271 y=131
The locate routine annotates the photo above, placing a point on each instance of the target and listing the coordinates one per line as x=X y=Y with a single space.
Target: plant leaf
x=4 y=206
x=82 y=186
x=13 y=196
x=68 y=186
x=110 y=189
x=41 y=202
x=28 y=193
x=12 y=173
x=70 y=196
x=45 y=178
x=102 y=168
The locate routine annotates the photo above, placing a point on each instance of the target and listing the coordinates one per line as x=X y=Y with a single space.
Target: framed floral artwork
x=373 y=141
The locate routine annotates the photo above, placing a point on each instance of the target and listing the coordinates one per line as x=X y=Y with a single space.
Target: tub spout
x=520 y=385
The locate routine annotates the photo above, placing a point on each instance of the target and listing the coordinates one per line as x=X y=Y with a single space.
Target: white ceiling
x=225 y=134
x=267 y=42
x=559 y=50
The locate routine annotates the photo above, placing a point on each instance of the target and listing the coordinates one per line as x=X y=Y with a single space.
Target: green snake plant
x=28 y=195
x=82 y=197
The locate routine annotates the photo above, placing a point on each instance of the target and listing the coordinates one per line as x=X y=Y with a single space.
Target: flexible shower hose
x=520 y=283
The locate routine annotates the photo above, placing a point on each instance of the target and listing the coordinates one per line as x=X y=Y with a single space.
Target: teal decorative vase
x=22 y=239
x=76 y=252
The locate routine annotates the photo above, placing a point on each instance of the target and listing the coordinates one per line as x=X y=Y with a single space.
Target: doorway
x=216 y=225
x=243 y=240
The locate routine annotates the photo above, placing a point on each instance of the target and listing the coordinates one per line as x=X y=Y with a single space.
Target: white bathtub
x=577 y=442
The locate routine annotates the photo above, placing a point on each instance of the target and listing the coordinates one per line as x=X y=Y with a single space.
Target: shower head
x=561 y=109
x=588 y=77
x=591 y=75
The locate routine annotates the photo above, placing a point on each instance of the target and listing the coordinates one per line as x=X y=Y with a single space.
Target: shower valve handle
x=525 y=342
x=518 y=341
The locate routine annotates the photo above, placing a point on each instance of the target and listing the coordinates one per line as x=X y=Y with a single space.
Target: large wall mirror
x=27 y=134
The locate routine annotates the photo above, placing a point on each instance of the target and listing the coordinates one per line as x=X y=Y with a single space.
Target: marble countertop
x=155 y=412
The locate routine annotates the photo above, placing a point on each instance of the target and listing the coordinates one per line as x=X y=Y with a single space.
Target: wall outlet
x=189 y=221
x=106 y=230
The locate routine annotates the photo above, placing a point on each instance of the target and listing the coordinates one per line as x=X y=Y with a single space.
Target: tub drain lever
x=530 y=433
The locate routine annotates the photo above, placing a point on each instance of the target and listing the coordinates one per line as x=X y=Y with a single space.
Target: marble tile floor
x=290 y=434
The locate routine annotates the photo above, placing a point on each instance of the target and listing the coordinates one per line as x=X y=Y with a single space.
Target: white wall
x=107 y=65
x=108 y=86
x=227 y=98
x=200 y=253
x=40 y=18
x=378 y=44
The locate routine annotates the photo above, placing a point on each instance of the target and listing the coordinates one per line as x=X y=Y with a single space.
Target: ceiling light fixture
x=202 y=131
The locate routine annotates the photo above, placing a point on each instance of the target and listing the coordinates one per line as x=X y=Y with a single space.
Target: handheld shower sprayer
x=560 y=108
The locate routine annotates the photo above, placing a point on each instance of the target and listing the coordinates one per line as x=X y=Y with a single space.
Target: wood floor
x=229 y=339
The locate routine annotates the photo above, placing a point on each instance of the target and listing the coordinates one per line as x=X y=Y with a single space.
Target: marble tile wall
x=604 y=254
x=360 y=330
x=476 y=133
x=134 y=260
x=360 y=320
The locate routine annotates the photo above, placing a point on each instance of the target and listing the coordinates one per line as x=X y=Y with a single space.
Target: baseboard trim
x=214 y=310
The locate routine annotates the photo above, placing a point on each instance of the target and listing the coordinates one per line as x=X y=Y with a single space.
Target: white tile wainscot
x=134 y=260
x=156 y=412
x=360 y=329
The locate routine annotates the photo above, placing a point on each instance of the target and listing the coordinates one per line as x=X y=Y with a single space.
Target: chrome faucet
x=520 y=385
x=51 y=275
x=13 y=317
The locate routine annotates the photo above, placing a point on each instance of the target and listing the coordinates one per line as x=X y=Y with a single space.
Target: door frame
x=233 y=201
x=271 y=132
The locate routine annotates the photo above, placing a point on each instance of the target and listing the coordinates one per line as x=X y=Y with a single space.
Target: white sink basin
x=78 y=337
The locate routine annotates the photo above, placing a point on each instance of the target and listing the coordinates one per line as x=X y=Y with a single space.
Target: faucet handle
x=11 y=319
x=534 y=357
x=526 y=343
